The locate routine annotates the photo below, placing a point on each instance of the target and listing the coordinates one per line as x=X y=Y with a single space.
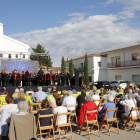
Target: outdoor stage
x=11 y=90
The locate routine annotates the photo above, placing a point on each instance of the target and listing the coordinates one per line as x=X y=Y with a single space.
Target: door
x=118 y=62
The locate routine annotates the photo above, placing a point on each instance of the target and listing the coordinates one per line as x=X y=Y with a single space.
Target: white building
x=123 y=63
x=10 y=47
x=118 y=64
x=97 y=66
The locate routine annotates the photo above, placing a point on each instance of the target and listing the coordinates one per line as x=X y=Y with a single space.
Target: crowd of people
x=28 y=78
x=85 y=102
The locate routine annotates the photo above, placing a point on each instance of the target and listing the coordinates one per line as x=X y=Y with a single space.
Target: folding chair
x=102 y=104
x=74 y=113
x=40 y=101
x=87 y=122
x=67 y=125
x=109 y=125
x=35 y=104
x=99 y=100
x=133 y=119
x=50 y=127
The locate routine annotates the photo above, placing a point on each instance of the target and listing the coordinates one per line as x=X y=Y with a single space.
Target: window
x=16 y=55
x=99 y=64
x=90 y=79
x=115 y=61
x=118 y=77
x=0 y=55
x=135 y=78
x=23 y=55
x=82 y=67
x=135 y=56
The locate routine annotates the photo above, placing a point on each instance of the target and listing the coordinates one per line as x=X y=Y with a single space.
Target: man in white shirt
x=128 y=103
x=95 y=96
x=60 y=109
x=69 y=101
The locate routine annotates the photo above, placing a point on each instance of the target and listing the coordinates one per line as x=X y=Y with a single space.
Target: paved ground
x=127 y=134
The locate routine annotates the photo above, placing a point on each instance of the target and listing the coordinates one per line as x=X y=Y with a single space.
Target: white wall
x=124 y=54
x=100 y=73
x=11 y=46
x=126 y=73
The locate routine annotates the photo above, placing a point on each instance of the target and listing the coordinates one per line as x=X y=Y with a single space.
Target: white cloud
x=94 y=34
x=129 y=9
x=77 y=17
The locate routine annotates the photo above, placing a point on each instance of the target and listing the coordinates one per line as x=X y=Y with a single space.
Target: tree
x=49 y=62
x=86 y=70
x=40 y=49
x=63 y=67
x=71 y=68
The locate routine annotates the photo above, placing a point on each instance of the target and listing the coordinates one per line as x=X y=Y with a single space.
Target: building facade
x=118 y=64
x=11 y=48
x=123 y=64
x=97 y=66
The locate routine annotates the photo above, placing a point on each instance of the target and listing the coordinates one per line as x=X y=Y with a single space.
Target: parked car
x=122 y=83
x=131 y=83
x=101 y=84
x=114 y=84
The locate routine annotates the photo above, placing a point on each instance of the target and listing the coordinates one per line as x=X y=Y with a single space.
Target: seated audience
x=45 y=110
x=4 y=90
x=138 y=98
x=108 y=105
x=128 y=104
x=101 y=91
x=87 y=106
x=60 y=109
x=95 y=96
x=120 y=89
x=105 y=94
x=125 y=95
x=113 y=92
x=16 y=93
x=39 y=95
x=54 y=89
x=30 y=91
x=73 y=90
x=65 y=94
x=52 y=101
x=49 y=91
x=69 y=101
x=135 y=88
x=80 y=100
x=136 y=92
x=20 y=97
x=10 y=105
x=88 y=88
x=23 y=108
x=21 y=89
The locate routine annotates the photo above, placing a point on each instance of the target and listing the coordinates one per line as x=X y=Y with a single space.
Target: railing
x=123 y=64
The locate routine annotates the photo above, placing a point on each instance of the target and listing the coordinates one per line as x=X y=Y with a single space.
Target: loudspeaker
x=76 y=81
x=77 y=73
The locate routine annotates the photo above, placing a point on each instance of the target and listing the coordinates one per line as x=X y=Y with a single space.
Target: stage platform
x=11 y=90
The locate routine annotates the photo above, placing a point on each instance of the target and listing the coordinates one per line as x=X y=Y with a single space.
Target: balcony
x=126 y=63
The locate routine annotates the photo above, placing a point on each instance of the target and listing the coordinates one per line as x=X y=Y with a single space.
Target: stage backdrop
x=21 y=65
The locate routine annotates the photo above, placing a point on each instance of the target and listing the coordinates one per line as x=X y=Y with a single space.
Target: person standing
x=40 y=74
x=67 y=77
x=27 y=78
x=58 y=78
x=63 y=77
x=53 y=78
x=4 y=78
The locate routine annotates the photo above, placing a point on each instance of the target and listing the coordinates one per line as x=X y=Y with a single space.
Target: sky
x=83 y=26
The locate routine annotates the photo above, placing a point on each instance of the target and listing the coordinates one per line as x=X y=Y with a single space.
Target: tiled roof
x=89 y=55
x=138 y=45
x=56 y=69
